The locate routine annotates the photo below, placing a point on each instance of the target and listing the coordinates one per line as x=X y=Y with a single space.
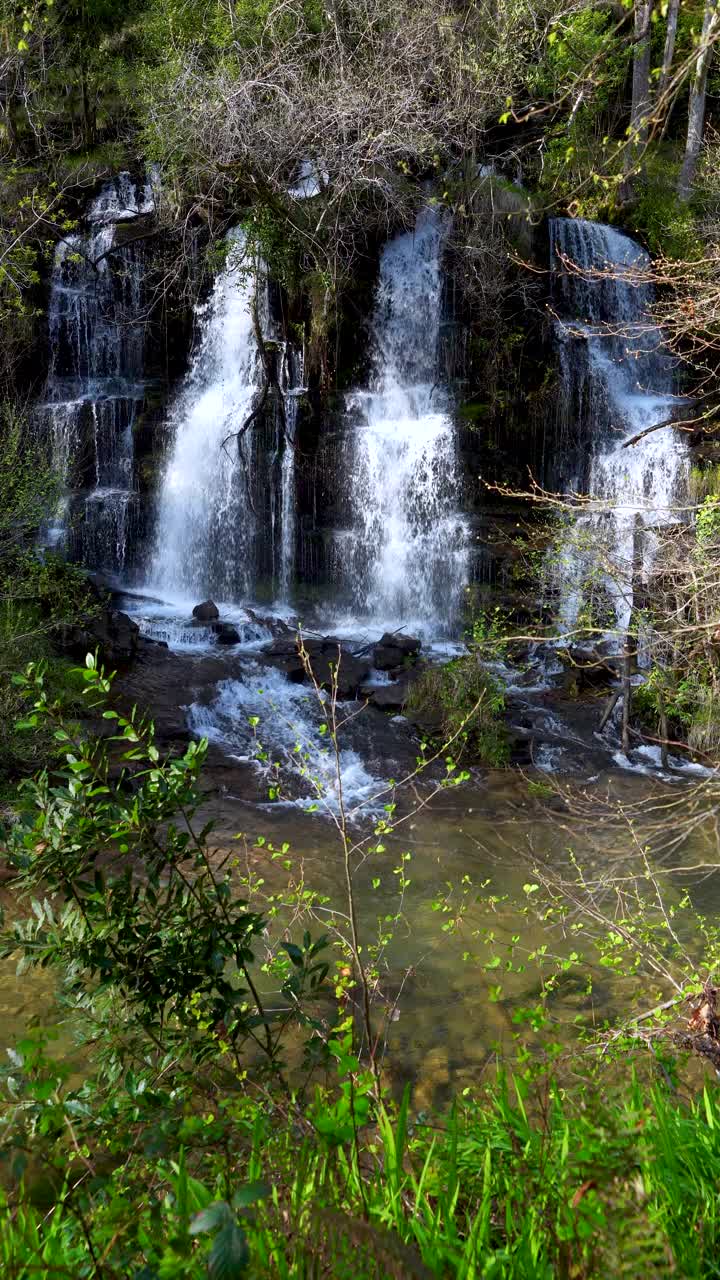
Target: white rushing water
x=288 y=530
x=405 y=553
x=123 y=199
x=287 y=719
x=619 y=378
x=206 y=525
x=217 y=510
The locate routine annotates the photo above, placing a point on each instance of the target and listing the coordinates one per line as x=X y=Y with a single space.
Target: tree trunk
x=640 y=107
x=641 y=73
x=698 y=93
x=669 y=50
x=88 y=110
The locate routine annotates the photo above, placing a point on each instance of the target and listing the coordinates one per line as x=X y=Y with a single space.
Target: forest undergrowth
x=229 y=1107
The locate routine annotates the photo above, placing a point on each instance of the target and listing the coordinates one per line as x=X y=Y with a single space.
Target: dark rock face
x=387 y=697
x=113 y=634
x=394 y=650
x=590 y=668
x=207 y=611
x=100 y=587
x=328 y=660
x=226 y=633
x=340 y=664
x=283 y=653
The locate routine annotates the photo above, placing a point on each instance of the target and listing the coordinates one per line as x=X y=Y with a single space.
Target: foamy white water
x=205 y=523
x=405 y=554
x=615 y=366
x=226 y=510
x=289 y=717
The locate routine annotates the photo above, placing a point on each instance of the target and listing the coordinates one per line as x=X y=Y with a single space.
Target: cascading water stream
x=205 y=524
x=287 y=718
x=288 y=495
x=617 y=381
x=404 y=555
x=217 y=510
x=95 y=382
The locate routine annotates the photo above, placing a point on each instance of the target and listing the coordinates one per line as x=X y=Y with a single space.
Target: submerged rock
x=207 y=611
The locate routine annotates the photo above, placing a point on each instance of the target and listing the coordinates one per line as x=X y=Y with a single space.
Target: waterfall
x=206 y=525
x=404 y=555
x=94 y=386
x=218 y=511
x=288 y=498
x=617 y=380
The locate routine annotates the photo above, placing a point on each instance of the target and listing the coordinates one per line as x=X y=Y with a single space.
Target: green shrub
x=669 y=226
x=23 y=637
x=516 y=1183
x=468 y=703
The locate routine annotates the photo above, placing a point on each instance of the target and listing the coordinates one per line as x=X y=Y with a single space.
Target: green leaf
x=294 y=953
x=217 y=1214
x=250 y=1194
x=230 y=1254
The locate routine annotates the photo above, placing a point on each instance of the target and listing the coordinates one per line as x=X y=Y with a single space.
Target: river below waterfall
x=381 y=540
x=471 y=850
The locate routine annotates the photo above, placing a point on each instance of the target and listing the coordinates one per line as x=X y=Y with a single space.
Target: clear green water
x=446 y=1022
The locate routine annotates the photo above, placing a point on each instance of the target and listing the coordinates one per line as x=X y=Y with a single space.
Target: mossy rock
x=474 y=411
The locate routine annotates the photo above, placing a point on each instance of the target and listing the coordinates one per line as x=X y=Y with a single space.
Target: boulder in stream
x=206 y=611
x=387 y=697
x=394 y=650
x=113 y=634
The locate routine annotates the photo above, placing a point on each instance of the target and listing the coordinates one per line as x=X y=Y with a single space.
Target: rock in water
x=388 y=697
x=341 y=665
x=326 y=657
x=207 y=611
x=226 y=633
x=394 y=650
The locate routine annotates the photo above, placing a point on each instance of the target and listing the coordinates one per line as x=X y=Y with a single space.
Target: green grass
x=25 y=637
x=510 y=1185
x=467 y=704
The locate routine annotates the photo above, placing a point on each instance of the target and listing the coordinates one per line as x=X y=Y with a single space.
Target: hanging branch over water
x=689 y=425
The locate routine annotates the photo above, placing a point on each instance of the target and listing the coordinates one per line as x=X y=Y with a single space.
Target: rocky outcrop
x=329 y=661
x=111 y=633
x=589 y=668
x=395 y=650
